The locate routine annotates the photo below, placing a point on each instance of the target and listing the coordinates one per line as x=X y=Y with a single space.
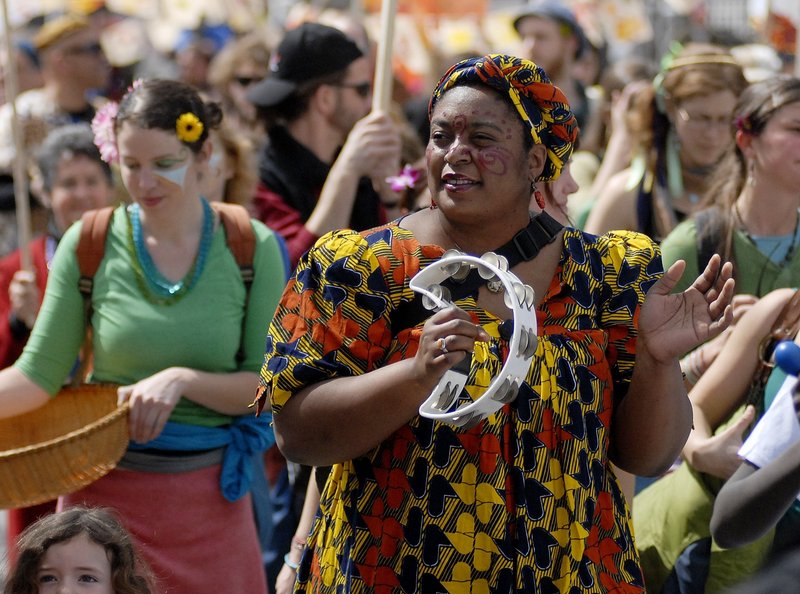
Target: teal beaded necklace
x=152 y=284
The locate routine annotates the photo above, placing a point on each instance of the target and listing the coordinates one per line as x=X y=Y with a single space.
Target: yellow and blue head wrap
x=540 y=104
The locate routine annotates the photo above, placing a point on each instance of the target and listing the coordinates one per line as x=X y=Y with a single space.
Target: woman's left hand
x=673 y=324
x=152 y=401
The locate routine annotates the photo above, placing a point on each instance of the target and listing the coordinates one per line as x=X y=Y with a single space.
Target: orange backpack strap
x=92 y=246
x=241 y=241
x=90 y=250
x=240 y=237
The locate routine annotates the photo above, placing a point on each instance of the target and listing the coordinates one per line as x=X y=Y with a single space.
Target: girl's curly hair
x=129 y=573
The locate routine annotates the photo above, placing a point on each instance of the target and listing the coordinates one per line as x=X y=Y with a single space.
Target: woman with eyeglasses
x=732 y=220
x=753 y=221
x=683 y=126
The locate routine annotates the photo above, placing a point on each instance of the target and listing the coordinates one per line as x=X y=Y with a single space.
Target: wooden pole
x=19 y=171
x=382 y=88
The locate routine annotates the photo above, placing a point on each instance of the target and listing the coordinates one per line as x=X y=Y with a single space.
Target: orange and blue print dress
x=523 y=502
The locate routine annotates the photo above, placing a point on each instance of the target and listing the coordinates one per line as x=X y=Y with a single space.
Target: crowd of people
x=262 y=222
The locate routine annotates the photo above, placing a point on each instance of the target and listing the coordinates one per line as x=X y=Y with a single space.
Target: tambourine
x=518 y=297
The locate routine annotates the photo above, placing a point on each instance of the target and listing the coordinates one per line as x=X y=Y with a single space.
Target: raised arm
x=653 y=420
x=722 y=388
x=372 y=149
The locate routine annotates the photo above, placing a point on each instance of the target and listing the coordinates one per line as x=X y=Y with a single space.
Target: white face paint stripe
x=176 y=176
x=215 y=160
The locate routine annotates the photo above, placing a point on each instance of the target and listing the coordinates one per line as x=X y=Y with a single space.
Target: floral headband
x=672 y=61
x=188 y=127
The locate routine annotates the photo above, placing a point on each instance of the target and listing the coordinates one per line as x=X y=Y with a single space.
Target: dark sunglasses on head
x=246 y=81
x=363 y=89
x=89 y=48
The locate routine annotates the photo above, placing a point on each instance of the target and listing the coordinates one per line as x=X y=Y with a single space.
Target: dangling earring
x=537 y=195
x=433 y=205
x=751 y=175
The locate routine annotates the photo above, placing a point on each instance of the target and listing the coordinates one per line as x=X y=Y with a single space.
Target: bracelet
x=289 y=563
x=298 y=543
x=19 y=329
x=690 y=367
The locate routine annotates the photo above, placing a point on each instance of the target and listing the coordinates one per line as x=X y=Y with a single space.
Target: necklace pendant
x=495 y=286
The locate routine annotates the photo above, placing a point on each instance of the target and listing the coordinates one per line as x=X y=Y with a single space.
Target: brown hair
x=252 y=47
x=755 y=108
x=129 y=573
x=158 y=103
x=698 y=70
x=240 y=154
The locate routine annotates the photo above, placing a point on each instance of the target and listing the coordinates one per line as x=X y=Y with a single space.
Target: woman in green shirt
x=170 y=313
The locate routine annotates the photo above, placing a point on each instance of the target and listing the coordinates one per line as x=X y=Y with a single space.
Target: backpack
x=239 y=235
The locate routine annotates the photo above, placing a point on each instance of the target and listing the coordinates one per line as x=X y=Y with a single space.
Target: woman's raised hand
x=24 y=296
x=673 y=324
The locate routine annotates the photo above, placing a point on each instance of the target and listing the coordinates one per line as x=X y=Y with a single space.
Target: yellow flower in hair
x=189 y=127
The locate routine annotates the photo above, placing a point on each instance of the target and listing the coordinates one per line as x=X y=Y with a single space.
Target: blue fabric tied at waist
x=244 y=437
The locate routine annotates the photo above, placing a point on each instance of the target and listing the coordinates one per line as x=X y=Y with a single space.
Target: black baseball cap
x=558 y=12
x=306 y=52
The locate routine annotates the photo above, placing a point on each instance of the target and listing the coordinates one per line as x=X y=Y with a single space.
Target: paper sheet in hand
x=777 y=430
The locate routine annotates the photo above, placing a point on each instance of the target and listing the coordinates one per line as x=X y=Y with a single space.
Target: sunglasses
x=90 y=48
x=363 y=89
x=246 y=81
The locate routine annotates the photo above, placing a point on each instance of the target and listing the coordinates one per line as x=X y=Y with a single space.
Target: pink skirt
x=194 y=539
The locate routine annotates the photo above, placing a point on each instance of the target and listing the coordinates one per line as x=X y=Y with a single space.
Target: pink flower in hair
x=103 y=128
x=406 y=180
x=743 y=123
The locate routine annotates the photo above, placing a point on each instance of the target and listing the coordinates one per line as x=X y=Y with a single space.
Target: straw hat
x=58 y=29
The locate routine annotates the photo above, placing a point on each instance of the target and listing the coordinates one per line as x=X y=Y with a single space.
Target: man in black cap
x=553 y=38
x=324 y=153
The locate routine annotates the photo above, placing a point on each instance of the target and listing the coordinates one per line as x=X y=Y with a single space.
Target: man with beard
x=323 y=157
x=325 y=152
x=553 y=39
x=74 y=71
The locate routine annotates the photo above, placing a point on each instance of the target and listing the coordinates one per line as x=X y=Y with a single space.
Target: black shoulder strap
x=708 y=239
x=525 y=245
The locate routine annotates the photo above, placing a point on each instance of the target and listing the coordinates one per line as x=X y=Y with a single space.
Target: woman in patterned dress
x=525 y=500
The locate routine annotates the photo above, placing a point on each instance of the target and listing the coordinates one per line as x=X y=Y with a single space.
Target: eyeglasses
x=704 y=121
x=246 y=81
x=94 y=49
x=363 y=88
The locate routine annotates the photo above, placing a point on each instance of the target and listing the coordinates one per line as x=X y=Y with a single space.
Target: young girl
x=80 y=546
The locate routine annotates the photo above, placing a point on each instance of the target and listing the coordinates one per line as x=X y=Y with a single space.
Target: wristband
x=19 y=329
x=289 y=563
